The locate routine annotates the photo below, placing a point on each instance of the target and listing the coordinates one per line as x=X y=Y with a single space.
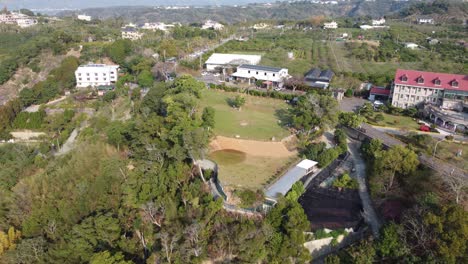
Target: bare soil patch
x=252 y=147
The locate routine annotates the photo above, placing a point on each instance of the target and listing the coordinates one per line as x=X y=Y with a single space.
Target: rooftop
x=379 y=91
x=259 y=68
x=316 y=73
x=91 y=65
x=223 y=58
x=284 y=184
x=432 y=79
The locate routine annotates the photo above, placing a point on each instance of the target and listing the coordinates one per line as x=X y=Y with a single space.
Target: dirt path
x=252 y=147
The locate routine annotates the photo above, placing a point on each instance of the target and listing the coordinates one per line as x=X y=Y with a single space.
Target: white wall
x=95 y=75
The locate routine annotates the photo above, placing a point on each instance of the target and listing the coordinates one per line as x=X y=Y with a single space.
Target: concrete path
x=369 y=213
x=397 y=131
x=69 y=144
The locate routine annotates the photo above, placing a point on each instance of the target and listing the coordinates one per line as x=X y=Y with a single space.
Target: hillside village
x=331 y=139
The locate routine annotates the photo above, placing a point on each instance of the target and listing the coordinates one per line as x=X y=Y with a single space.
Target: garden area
x=395 y=121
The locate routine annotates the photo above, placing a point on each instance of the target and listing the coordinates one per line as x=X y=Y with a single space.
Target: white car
x=278 y=89
x=204 y=73
x=216 y=74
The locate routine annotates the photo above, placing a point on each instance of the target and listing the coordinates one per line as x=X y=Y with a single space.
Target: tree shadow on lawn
x=284 y=116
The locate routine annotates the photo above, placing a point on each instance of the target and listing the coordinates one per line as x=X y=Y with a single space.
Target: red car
x=425 y=128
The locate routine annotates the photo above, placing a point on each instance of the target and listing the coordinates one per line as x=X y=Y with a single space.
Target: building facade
x=378 y=22
x=331 y=25
x=93 y=75
x=131 y=33
x=444 y=97
x=84 y=18
x=270 y=76
x=425 y=21
x=318 y=79
x=210 y=24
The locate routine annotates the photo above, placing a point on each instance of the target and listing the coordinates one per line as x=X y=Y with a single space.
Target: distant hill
x=231 y=14
x=441 y=10
x=81 y=4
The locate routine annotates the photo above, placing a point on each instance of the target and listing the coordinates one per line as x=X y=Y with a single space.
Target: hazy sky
x=44 y=4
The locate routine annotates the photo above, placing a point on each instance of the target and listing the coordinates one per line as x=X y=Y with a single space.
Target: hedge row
x=272 y=94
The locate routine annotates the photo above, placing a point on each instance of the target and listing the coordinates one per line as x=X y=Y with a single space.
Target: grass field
x=256 y=120
x=402 y=122
x=448 y=151
x=241 y=170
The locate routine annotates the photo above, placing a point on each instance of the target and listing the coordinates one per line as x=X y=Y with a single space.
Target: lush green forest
x=130 y=191
x=97 y=205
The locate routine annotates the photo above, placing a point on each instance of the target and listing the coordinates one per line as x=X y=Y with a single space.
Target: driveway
x=369 y=213
x=351 y=104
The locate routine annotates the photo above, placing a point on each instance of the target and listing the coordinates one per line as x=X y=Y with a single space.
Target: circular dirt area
x=228 y=156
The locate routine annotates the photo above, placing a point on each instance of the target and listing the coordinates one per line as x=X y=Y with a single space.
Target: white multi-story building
x=425 y=20
x=330 y=25
x=378 y=22
x=271 y=76
x=411 y=88
x=210 y=24
x=19 y=19
x=93 y=75
x=158 y=26
x=131 y=33
x=26 y=22
x=84 y=17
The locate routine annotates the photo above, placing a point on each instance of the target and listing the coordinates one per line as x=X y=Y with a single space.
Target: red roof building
x=432 y=80
x=376 y=93
x=410 y=88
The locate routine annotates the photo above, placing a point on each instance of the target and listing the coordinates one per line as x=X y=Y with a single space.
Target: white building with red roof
x=444 y=94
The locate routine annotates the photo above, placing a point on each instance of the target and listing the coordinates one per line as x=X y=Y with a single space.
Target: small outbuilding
x=284 y=184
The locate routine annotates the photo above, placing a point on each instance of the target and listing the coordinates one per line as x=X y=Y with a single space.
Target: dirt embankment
x=24 y=77
x=252 y=147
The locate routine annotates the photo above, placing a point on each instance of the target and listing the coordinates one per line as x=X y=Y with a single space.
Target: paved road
x=369 y=213
x=396 y=131
x=443 y=168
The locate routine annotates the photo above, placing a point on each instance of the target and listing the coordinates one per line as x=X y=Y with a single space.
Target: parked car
x=425 y=128
x=279 y=89
x=216 y=74
x=204 y=73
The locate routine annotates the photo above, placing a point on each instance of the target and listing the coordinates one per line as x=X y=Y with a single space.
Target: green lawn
x=241 y=170
x=402 y=122
x=256 y=120
x=448 y=151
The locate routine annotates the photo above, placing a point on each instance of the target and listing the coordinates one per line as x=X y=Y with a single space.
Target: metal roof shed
x=284 y=184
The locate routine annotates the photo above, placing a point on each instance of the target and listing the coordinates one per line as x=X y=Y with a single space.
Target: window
x=103 y=74
x=257 y=73
x=265 y=74
x=105 y=79
x=87 y=74
x=95 y=74
x=79 y=79
x=79 y=74
x=274 y=74
x=420 y=80
x=419 y=90
x=88 y=79
x=112 y=72
x=437 y=82
x=96 y=79
x=404 y=78
x=454 y=83
x=248 y=71
x=79 y=84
